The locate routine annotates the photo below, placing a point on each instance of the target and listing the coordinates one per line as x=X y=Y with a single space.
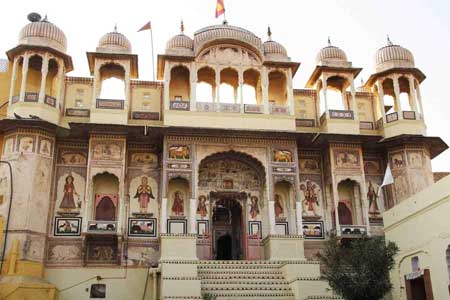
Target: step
x=237 y=267
x=324 y=298
x=241 y=281
x=243 y=272
x=220 y=276
x=253 y=296
x=245 y=289
x=245 y=285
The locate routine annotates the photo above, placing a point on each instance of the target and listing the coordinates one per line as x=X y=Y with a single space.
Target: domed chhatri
x=114 y=42
x=273 y=50
x=43 y=33
x=180 y=44
x=331 y=55
x=393 y=56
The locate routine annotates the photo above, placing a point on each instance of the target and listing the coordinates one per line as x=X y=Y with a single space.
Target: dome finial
x=329 y=42
x=269 y=33
x=182 y=27
x=389 y=42
x=115 y=27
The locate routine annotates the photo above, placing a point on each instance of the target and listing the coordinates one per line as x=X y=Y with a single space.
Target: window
x=145 y=106
x=146 y=96
x=79 y=103
x=415 y=264
x=98 y=291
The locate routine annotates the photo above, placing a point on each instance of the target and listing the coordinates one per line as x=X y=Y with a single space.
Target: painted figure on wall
x=254 y=207
x=178 y=204
x=282 y=156
x=279 y=210
x=68 y=201
x=144 y=193
x=178 y=152
x=372 y=196
x=26 y=145
x=347 y=159
x=202 y=210
x=310 y=199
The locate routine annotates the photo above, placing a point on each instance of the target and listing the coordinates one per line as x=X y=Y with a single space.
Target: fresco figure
x=144 y=193
x=68 y=201
x=279 y=210
x=310 y=200
x=372 y=196
x=202 y=210
x=254 y=208
x=178 y=204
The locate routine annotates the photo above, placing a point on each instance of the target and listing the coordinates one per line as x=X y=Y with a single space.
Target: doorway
x=227 y=229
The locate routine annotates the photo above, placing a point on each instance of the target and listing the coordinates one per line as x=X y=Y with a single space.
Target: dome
x=393 y=56
x=227 y=32
x=180 y=44
x=43 y=33
x=331 y=55
x=114 y=42
x=274 y=50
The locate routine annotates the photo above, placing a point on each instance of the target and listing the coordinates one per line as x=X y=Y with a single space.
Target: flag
x=220 y=8
x=147 y=26
x=388 y=179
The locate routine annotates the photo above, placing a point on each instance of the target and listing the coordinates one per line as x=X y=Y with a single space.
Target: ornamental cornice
x=236 y=141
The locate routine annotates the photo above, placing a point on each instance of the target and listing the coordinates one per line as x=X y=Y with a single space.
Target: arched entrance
x=228 y=229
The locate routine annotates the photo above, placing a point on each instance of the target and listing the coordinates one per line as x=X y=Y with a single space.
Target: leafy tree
x=359 y=268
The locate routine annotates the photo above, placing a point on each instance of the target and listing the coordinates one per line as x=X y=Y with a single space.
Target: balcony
x=45 y=108
x=109 y=111
x=339 y=121
x=405 y=122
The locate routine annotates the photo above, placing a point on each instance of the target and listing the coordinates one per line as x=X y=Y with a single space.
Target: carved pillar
x=419 y=98
x=95 y=86
x=381 y=100
x=325 y=93
x=192 y=213
x=336 y=206
x=354 y=106
x=290 y=92
x=241 y=89
x=412 y=94
x=193 y=86
x=59 y=95
x=397 y=98
x=271 y=209
x=166 y=86
x=44 y=72
x=127 y=99
x=217 y=85
x=23 y=84
x=13 y=79
x=265 y=89
x=163 y=225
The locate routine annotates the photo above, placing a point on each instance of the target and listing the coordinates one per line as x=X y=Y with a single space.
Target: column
x=166 y=86
x=325 y=93
x=354 y=106
x=192 y=214
x=241 y=89
x=290 y=92
x=163 y=221
x=23 y=85
x=271 y=208
x=59 y=96
x=365 y=202
x=44 y=72
x=13 y=79
x=412 y=95
x=419 y=98
x=95 y=87
x=217 y=85
x=381 y=100
x=265 y=89
x=336 y=205
x=298 y=215
x=127 y=103
x=193 y=86
x=397 y=98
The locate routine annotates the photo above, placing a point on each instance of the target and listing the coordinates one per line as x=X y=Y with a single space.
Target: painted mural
x=282 y=156
x=346 y=159
x=143 y=158
x=8 y=146
x=202 y=206
x=177 y=207
x=26 y=144
x=311 y=197
x=70 y=193
x=397 y=160
x=144 y=195
x=279 y=206
x=179 y=152
x=401 y=186
x=142 y=255
x=309 y=165
x=45 y=147
x=72 y=157
x=107 y=151
x=373 y=196
x=254 y=207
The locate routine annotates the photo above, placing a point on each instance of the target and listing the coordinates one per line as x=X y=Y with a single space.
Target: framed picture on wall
x=254 y=229
x=67 y=226
x=282 y=228
x=176 y=226
x=142 y=227
x=313 y=230
x=202 y=227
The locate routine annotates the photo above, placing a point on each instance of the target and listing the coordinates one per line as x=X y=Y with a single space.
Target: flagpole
x=153 y=56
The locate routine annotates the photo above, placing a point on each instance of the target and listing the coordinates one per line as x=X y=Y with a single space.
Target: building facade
x=219 y=164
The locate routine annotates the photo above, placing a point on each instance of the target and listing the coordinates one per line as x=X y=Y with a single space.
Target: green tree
x=359 y=268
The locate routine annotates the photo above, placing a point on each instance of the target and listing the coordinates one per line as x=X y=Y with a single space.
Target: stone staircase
x=246 y=280
x=259 y=280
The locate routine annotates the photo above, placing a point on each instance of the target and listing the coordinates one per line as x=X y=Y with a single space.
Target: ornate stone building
x=220 y=177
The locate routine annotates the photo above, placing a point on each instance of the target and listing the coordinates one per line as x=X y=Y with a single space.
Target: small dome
x=180 y=44
x=274 y=50
x=393 y=56
x=43 y=33
x=114 y=42
x=331 y=55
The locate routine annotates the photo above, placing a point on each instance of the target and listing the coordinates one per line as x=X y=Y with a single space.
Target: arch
x=105 y=188
x=18 y=81
x=336 y=92
x=284 y=195
x=180 y=86
x=206 y=84
x=229 y=85
x=390 y=104
x=178 y=190
x=51 y=83
x=252 y=88
x=350 y=201
x=406 y=99
x=112 y=81
x=34 y=74
x=277 y=88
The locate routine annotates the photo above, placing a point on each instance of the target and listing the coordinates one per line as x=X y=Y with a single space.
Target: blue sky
x=357 y=26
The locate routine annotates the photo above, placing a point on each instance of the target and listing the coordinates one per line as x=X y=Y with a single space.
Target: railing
x=31 y=97
x=78 y=112
x=279 y=109
x=353 y=230
x=109 y=103
x=206 y=106
x=229 y=107
x=34 y=97
x=341 y=114
x=145 y=115
x=253 y=109
x=409 y=115
x=305 y=123
x=392 y=117
x=50 y=100
x=364 y=125
x=323 y=117
x=102 y=227
x=179 y=105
